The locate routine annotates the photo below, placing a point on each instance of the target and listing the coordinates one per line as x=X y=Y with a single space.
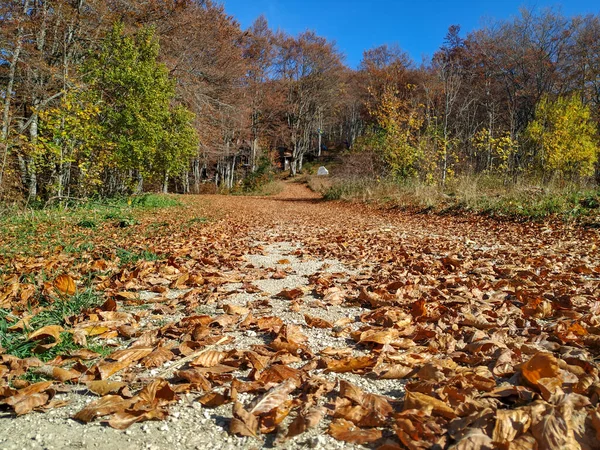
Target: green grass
x=153 y=201
x=56 y=312
x=32 y=231
x=128 y=257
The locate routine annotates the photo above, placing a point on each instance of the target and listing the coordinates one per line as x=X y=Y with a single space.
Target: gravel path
x=190 y=425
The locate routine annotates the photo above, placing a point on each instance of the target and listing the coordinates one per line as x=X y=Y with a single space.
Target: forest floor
x=288 y=321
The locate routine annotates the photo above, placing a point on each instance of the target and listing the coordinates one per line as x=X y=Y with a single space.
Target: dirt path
x=323 y=294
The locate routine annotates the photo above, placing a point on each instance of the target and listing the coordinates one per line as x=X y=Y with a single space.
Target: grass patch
x=482 y=195
x=128 y=257
x=30 y=232
x=153 y=201
x=269 y=188
x=55 y=312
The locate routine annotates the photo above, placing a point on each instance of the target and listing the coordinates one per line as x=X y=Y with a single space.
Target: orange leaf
x=541 y=365
x=65 y=284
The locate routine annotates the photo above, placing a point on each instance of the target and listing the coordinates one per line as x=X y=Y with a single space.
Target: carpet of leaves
x=492 y=328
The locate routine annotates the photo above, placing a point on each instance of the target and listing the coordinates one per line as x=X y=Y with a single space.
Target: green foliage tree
x=151 y=137
x=565 y=136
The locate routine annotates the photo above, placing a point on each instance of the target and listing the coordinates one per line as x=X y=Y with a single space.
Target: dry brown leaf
x=65 y=284
x=305 y=421
x=49 y=331
x=274 y=397
x=57 y=373
x=124 y=358
x=210 y=358
x=104 y=387
x=541 y=365
x=235 y=309
x=269 y=422
x=475 y=440
x=431 y=405
x=104 y=406
x=316 y=322
x=122 y=420
x=351 y=364
x=214 y=399
x=243 y=423
x=30 y=402
x=393 y=371
x=510 y=424
x=379 y=336
x=158 y=357
x=344 y=430
x=291 y=294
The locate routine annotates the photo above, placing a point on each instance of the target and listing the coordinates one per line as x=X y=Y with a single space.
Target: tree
x=308 y=68
x=565 y=137
x=151 y=139
x=395 y=136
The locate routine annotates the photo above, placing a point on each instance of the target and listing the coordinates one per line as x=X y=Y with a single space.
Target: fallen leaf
x=65 y=284
x=344 y=430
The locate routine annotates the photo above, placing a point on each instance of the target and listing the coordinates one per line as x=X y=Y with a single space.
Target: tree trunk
x=8 y=95
x=165 y=188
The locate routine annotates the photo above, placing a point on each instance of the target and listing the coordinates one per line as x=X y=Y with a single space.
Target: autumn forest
x=114 y=97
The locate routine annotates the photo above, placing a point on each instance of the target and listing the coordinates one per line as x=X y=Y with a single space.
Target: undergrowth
x=525 y=201
x=23 y=230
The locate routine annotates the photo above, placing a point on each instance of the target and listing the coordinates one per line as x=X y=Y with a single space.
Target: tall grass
x=479 y=194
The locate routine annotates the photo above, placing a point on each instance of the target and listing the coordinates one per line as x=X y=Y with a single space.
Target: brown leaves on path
x=444 y=332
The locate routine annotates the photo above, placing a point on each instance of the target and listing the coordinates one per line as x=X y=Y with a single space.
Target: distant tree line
x=104 y=97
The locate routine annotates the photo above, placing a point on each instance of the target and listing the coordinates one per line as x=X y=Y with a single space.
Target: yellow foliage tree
x=497 y=149
x=396 y=138
x=565 y=137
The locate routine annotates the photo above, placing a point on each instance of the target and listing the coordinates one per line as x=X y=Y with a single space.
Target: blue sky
x=418 y=26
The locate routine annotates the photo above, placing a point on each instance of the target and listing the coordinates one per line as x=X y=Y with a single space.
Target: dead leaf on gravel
x=243 y=423
x=104 y=387
x=378 y=336
x=235 y=309
x=214 y=399
x=431 y=405
x=158 y=357
x=351 y=364
x=122 y=420
x=291 y=294
x=346 y=431
x=104 y=406
x=210 y=358
x=123 y=359
x=306 y=421
x=269 y=422
x=316 y=322
x=273 y=397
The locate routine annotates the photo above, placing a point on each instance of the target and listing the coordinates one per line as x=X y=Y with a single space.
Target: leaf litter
x=447 y=332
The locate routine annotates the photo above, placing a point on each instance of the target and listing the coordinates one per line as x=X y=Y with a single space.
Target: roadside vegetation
x=479 y=195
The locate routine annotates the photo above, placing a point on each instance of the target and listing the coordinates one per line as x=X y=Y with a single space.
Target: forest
x=101 y=98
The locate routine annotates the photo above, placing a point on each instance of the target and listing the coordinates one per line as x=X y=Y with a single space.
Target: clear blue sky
x=418 y=26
